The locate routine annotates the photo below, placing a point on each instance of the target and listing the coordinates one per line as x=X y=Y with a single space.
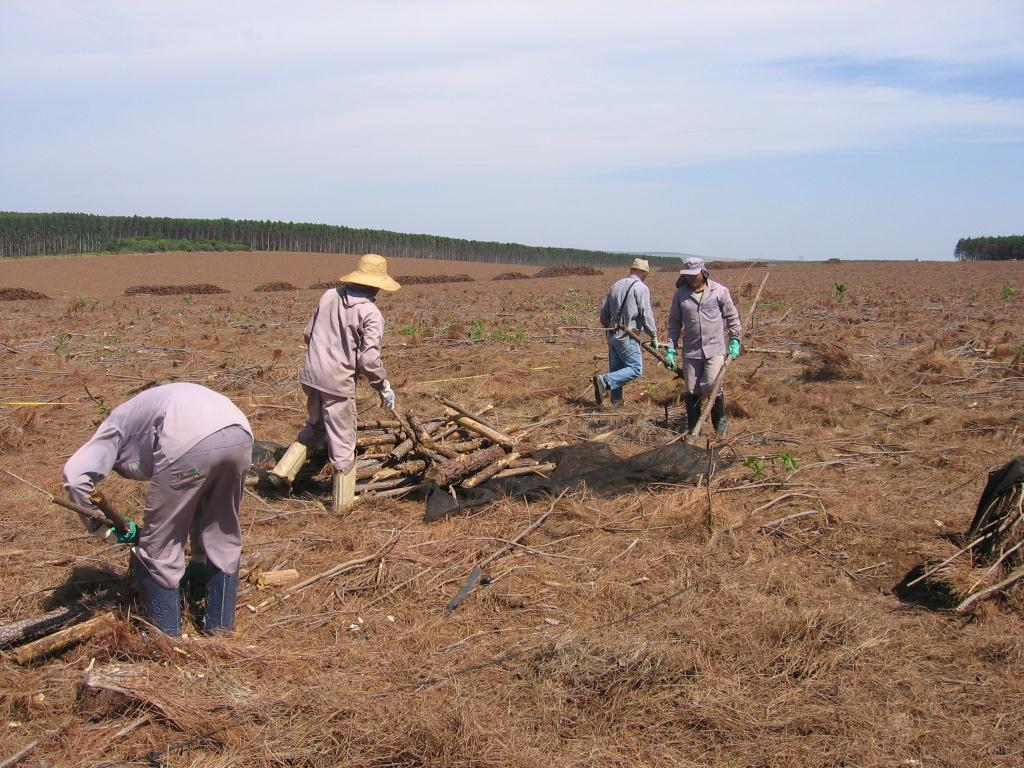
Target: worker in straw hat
x=628 y=304
x=342 y=341
x=702 y=311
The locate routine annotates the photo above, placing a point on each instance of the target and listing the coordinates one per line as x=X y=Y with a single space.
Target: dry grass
x=780 y=646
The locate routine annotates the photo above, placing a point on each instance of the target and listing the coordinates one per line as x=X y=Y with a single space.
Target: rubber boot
x=193 y=587
x=718 y=419
x=344 y=494
x=283 y=474
x=161 y=604
x=692 y=403
x=221 y=596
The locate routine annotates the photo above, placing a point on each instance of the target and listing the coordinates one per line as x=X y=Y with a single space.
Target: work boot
x=221 y=596
x=692 y=403
x=161 y=604
x=283 y=474
x=344 y=494
x=600 y=388
x=718 y=419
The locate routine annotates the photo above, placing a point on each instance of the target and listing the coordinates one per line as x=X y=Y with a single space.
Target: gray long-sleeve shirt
x=147 y=433
x=703 y=323
x=629 y=303
x=342 y=340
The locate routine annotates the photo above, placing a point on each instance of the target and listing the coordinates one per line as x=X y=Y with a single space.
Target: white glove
x=387 y=395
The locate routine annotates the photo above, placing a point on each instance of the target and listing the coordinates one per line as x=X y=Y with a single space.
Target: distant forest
x=990 y=248
x=30 y=234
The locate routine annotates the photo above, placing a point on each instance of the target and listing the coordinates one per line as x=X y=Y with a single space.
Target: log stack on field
x=461 y=447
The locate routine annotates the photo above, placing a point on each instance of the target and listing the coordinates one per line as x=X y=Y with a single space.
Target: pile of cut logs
x=461 y=448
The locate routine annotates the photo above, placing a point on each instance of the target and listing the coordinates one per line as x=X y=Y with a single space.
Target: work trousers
x=331 y=419
x=700 y=373
x=625 y=364
x=198 y=497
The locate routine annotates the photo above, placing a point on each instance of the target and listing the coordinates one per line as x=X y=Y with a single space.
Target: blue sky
x=801 y=130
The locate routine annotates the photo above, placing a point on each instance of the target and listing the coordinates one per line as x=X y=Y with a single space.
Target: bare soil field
x=680 y=625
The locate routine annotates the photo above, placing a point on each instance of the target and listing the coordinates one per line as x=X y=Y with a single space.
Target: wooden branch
x=489 y=471
x=63 y=639
x=455 y=427
x=383 y=485
x=20 y=755
x=466 y=446
x=1008 y=581
x=787 y=518
x=477 y=572
x=337 y=570
x=467 y=413
x=451 y=471
x=103 y=505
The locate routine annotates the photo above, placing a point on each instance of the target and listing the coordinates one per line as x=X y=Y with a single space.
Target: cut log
x=527 y=470
x=384 y=485
x=455 y=427
x=63 y=639
x=451 y=471
x=364 y=441
x=21 y=631
x=113 y=689
x=466 y=446
x=277 y=578
x=379 y=424
x=401 y=450
x=424 y=439
x=405 y=469
x=493 y=435
x=489 y=471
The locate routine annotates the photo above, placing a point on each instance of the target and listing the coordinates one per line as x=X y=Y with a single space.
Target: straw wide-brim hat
x=641 y=264
x=372 y=271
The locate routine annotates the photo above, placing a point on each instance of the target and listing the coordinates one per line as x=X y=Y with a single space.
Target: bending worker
x=342 y=340
x=628 y=304
x=194 y=446
x=703 y=310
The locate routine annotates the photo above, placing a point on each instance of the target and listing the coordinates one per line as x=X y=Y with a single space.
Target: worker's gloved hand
x=131 y=536
x=387 y=395
x=654 y=343
x=734 y=348
x=670 y=358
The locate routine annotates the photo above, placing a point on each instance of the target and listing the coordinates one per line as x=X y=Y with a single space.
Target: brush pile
x=512 y=276
x=566 y=271
x=404 y=454
x=172 y=290
x=830 y=362
x=280 y=285
x=432 y=279
x=19 y=294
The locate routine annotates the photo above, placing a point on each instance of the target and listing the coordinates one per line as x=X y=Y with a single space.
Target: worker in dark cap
x=701 y=315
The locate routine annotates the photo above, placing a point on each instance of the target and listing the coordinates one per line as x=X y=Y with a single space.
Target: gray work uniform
x=342 y=341
x=703 y=323
x=194 y=446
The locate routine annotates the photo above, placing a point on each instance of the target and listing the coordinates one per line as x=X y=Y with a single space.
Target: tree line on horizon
x=1005 y=248
x=37 y=234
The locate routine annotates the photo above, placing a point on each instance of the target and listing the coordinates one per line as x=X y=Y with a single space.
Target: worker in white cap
x=627 y=305
x=703 y=311
x=342 y=341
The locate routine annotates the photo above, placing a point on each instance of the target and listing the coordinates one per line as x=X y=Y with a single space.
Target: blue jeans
x=625 y=364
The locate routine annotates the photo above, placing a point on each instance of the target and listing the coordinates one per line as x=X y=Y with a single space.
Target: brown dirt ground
x=780 y=647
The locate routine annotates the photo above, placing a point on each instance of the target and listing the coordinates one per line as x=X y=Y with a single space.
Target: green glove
x=131 y=536
x=734 y=348
x=670 y=358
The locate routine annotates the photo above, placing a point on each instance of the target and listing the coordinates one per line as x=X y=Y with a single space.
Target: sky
x=732 y=129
